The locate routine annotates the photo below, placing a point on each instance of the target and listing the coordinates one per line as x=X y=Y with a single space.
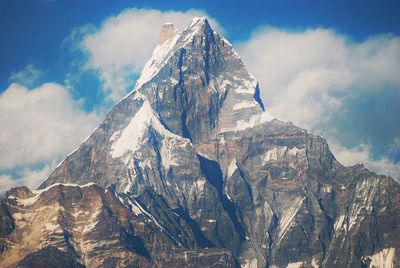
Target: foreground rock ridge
x=188 y=170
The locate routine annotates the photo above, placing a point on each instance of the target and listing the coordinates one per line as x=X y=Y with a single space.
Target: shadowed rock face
x=73 y=226
x=189 y=170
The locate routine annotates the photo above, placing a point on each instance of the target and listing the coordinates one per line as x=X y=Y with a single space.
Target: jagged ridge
x=191 y=161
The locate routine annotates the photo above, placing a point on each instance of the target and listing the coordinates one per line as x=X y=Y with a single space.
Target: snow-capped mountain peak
x=188 y=170
x=199 y=64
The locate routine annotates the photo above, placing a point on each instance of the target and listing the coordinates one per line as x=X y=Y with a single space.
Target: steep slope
x=87 y=224
x=189 y=170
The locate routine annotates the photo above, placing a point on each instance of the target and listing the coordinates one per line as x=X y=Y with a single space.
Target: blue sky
x=32 y=31
x=329 y=66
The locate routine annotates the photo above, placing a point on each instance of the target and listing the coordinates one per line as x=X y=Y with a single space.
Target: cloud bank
x=348 y=91
x=40 y=126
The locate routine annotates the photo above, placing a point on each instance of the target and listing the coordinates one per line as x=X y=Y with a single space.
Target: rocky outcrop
x=73 y=226
x=188 y=170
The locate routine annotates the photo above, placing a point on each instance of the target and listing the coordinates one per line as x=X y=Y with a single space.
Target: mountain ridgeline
x=189 y=170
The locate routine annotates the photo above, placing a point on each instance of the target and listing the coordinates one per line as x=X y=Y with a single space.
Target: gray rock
x=190 y=171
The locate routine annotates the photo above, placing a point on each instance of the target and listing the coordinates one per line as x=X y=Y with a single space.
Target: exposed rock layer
x=190 y=171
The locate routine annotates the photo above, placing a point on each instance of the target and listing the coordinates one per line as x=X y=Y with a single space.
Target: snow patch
x=232 y=168
x=296 y=151
x=286 y=219
x=195 y=20
x=327 y=189
x=381 y=259
x=245 y=86
x=28 y=201
x=128 y=140
x=281 y=152
x=51 y=227
x=200 y=184
x=168 y=154
x=160 y=54
x=252 y=122
x=38 y=192
x=135 y=208
x=295 y=265
x=275 y=154
x=315 y=262
x=365 y=193
x=250 y=263
x=92 y=221
x=339 y=223
x=171 y=146
x=244 y=104
x=224 y=84
x=134 y=205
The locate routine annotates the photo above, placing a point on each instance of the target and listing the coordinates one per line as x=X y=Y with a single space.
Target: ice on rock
x=384 y=258
x=128 y=140
x=339 y=223
x=244 y=104
x=295 y=265
x=280 y=152
x=232 y=168
x=287 y=218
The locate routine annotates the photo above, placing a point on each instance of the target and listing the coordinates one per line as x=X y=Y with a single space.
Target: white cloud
x=41 y=125
x=311 y=77
x=122 y=45
x=362 y=154
x=27 y=177
x=305 y=76
x=27 y=76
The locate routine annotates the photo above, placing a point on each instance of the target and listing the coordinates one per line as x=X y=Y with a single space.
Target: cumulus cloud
x=333 y=85
x=123 y=43
x=312 y=71
x=41 y=125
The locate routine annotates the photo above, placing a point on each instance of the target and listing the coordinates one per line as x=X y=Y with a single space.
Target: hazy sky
x=329 y=66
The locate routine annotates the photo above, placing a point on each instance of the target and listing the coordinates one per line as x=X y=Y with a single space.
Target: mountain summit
x=194 y=88
x=189 y=170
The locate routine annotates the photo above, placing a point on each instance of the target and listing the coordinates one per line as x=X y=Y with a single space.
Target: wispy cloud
x=27 y=76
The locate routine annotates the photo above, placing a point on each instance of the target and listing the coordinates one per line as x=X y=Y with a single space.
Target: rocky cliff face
x=188 y=170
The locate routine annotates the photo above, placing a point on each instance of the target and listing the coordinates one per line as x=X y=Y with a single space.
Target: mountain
x=189 y=170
